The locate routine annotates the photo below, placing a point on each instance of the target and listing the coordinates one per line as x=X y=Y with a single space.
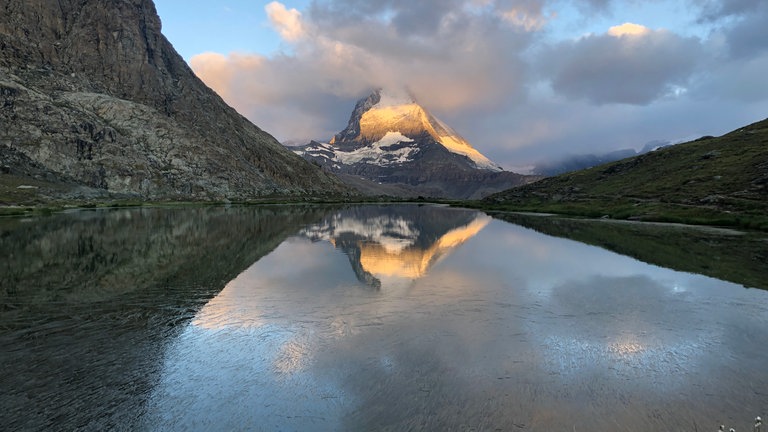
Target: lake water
x=398 y=317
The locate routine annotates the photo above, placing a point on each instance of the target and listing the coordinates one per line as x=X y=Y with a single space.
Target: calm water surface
x=362 y=318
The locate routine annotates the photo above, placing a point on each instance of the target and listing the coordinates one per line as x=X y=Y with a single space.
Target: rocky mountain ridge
x=93 y=91
x=393 y=141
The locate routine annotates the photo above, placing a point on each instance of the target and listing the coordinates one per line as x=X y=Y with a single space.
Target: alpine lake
x=377 y=317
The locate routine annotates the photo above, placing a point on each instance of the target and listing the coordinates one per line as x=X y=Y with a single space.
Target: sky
x=523 y=81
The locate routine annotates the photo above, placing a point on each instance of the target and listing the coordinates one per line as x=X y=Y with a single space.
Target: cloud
x=219 y=72
x=286 y=22
x=629 y=64
x=738 y=81
x=741 y=24
x=528 y=15
x=453 y=55
x=748 y=34
x=713 y=10
x=517 y=78
x=628 y=29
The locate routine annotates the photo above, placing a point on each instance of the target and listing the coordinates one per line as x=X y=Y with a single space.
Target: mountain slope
x=392 y=117
x=391 y=139
x=711 y=180
x=94 y=91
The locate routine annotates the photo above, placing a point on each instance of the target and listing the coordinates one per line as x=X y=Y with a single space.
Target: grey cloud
x=406 y=17
x=629 y=69
x=594 y=5
x=739 y=80
x=743 y=25
x=749 y=35
x=542 y=129
x=473 y=70
x=713 y=10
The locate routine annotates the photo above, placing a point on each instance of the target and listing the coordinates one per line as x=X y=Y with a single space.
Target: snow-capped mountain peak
x=385 y=111
x=393 y=145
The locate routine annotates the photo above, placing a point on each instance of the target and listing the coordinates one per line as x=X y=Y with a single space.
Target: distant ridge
x=584 y=161
x=92 y=90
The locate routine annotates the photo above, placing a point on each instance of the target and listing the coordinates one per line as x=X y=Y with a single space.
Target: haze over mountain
x=392 y=140
x=94 y=102
x=576 y=162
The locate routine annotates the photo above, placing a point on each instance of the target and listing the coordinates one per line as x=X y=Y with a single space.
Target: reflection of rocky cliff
x=89 y=300
x=396 y=241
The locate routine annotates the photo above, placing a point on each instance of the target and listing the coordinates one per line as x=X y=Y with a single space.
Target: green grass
x=712 y=181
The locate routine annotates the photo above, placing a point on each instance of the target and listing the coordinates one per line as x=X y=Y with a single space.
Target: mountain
x=92 y=92
x=393 y=141
x=721 y=180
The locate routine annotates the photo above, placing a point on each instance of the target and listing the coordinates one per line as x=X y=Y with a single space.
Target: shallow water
x=362 y=318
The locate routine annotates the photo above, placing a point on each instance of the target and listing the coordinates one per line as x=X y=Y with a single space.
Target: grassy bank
x=719 y=181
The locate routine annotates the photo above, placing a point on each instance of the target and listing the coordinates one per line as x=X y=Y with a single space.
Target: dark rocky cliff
x=93 y=90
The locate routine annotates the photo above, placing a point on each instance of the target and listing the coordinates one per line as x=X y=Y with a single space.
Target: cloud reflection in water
x=511 y=327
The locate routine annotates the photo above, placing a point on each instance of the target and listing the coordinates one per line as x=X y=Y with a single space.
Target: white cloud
x=287 y=22
x=491 y=69
x=628 y=29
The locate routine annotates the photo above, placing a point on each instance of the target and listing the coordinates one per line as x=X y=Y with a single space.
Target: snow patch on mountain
x=391 y=149
x=382 y=152
x=392 y=138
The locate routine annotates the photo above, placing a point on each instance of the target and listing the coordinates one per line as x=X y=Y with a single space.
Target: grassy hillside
x=720 y=181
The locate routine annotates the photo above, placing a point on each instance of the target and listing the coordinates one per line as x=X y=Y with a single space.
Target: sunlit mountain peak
x=388 y=111
x=392 y=145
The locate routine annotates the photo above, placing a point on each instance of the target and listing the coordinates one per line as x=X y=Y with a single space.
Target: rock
x=92 y=90
x=400 y=148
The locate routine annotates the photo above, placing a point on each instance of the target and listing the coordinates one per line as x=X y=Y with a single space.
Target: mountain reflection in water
x=253 y=319
x=398 y=244
x=89 y=300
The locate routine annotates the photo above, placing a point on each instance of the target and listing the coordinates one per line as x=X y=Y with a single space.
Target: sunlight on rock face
x=402 y=114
